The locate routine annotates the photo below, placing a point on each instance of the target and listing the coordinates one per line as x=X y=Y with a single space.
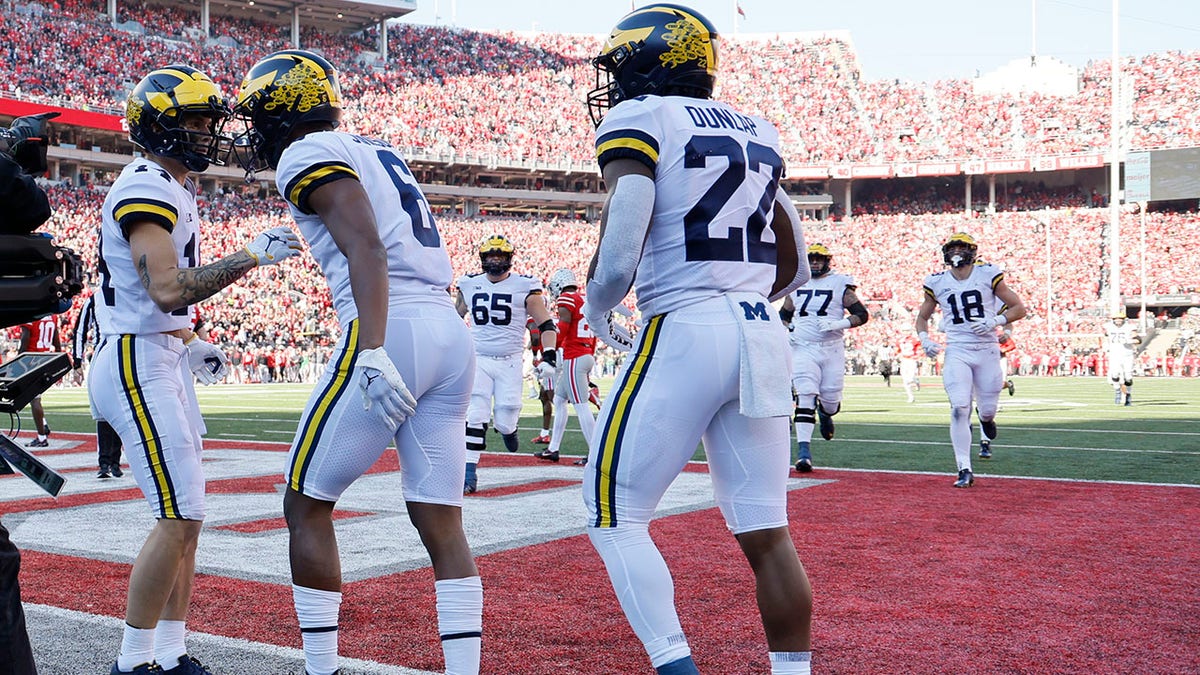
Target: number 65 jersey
x=716 y=172
x=418 y=264
x=962 y=302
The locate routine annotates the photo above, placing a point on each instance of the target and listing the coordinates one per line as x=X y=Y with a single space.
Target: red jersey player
x=40 y=336
x=578 y=348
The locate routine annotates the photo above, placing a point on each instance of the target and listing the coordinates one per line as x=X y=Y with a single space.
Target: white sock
x=137 y=647
x=168 y=643
x=587 y=421
x=791 y=663
x=561 y=412
x=960 y=436
x=317 y=612
x=644 y=587
x=545 y=431
x=460 y=623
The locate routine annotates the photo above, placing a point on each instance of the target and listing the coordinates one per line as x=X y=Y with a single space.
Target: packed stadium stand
x=466 y=104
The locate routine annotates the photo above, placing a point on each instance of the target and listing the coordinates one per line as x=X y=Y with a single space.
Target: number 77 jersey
x=716 y=173
x=962 y=302
x=418 y=265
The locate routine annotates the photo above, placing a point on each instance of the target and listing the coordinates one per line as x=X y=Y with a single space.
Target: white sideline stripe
x=1025 y=428
x=1036 y=447
x=228 y=643
x=1002 y=477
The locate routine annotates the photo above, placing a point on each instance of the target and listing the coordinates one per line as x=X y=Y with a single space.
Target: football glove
x=383 y=387
x=207 y=361
x=274 y=246
x=932 y=348
x=545 y=375
x=987 y=325
x=609 y=332
x=830 y=325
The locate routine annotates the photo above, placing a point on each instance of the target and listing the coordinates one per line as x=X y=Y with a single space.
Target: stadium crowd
x=519 y=98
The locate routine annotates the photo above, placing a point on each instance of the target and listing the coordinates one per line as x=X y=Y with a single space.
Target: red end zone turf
x=909 y=575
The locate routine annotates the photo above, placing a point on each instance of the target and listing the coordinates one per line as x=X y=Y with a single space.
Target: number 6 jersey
x=716 y=172
x=962 y=302
x=418 y=265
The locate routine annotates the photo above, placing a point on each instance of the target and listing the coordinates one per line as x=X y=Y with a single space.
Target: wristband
x=1001 y=319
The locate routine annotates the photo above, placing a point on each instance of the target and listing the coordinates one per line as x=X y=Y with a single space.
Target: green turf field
x=1052 y=427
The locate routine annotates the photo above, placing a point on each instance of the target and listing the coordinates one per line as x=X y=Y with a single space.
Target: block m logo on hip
x=756 y=311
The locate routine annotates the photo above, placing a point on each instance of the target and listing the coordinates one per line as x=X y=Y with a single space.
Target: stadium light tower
x=1115 y=303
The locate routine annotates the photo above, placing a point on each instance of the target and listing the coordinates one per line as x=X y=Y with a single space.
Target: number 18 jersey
x=418 y=265
x=962 y=302
x=716 y=172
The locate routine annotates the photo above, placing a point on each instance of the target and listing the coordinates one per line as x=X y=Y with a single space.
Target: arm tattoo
x=144 y=273
x=200 y=283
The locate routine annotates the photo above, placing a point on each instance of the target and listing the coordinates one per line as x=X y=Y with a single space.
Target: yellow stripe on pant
x=314 y=424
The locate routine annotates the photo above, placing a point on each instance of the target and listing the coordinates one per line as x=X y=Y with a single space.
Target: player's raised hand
x=274 y=246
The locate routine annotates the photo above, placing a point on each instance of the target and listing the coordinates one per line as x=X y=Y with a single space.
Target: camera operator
x=22 y=156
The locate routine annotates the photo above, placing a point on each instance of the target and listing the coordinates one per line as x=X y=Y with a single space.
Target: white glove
x=988 y=325
x=382 y=385
x=829 y=325
x=206 y=360
x=932 y=349
x=612 y=334
x=274 y=246
x=545 y=375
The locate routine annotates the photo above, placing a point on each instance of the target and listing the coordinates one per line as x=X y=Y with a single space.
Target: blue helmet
x=659 y=50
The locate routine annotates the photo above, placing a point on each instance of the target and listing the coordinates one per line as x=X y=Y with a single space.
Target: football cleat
x=116 y=470
x=985 y=449
x=804 y=463
x=38 y=443
x=965 y=479
x=594 y=395
x=141 y=669
x=547 y=455
x=187 y=666
x=826 y=421
x=1012 y=388
x=541 y=440
x=580 y=462
x=1128 y=399
x=989 y=428
x=511 y=443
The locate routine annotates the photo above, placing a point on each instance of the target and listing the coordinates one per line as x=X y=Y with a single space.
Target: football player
x=402 y=370
x=696 y=216
x=578 y=347
x=817 y=314
x=966 y=294
x=140 y=381
x=498 y=303
x=1121 y=338
x=544 y=395
x=40 y=336
x=910 y=365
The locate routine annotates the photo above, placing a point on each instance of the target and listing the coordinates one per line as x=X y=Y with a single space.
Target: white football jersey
x=496 y=311
x=1120 y=338
x=143 y=192
x=716 y=172
x=962 y=302
x=418 y=264
x=819 y=298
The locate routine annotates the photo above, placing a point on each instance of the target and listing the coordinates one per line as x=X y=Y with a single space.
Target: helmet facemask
x=493 y=266
x=818 y=264
x=958 y=254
